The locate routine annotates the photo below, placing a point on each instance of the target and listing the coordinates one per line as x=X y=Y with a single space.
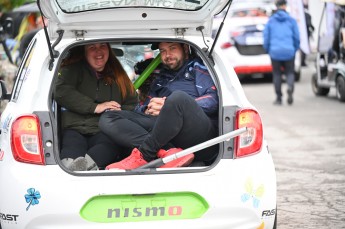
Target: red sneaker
x=133 y=161
x=180 y=162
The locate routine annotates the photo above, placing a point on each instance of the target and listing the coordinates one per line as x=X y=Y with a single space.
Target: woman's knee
x=107 y=118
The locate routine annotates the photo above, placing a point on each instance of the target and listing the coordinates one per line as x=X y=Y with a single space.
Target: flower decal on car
x=255 y=194
x=32 y=197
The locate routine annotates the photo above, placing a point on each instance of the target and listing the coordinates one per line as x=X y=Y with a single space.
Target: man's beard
x=175 y=65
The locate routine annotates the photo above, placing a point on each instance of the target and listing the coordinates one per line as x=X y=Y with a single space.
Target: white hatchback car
x=238 y=190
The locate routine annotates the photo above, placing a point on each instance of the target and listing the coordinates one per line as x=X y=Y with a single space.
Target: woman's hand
x=110 y=105
x=155 y=106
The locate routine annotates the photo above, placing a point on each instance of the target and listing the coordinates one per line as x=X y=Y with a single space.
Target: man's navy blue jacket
x=192 y=78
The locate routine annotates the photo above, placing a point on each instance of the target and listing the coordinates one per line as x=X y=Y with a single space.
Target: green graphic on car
x=149 y=207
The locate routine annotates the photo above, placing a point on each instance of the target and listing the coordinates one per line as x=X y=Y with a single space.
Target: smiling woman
x=97 y=55
x=93 y=82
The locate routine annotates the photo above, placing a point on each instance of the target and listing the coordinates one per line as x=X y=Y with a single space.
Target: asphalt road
x=307 y=142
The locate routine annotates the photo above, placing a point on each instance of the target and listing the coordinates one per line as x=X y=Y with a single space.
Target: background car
x=237 y=190
x=242 y=38
x=330 y=61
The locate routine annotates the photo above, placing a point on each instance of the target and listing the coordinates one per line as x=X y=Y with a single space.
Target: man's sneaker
x=133 y=161
x=180 y=162
x=290 y=99
x=80 y=164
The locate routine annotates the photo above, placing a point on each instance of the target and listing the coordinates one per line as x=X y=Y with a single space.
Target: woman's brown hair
x=120 y=76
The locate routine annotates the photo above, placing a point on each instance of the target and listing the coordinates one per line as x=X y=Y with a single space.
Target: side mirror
x=8 y=26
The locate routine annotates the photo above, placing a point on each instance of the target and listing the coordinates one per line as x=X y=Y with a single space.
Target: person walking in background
x=310 y=30
x=281 y=41
x=90 y=82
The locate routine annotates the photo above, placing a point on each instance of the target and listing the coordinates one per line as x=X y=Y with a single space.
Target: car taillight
x=27 y=140
x=237 y=32
x=226 y=45
x=249 y=142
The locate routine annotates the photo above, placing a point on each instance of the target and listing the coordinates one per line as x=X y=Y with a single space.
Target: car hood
x=129 y=17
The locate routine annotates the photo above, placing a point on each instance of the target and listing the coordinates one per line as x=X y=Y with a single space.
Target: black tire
x=321 y=91
x=297 y=76
x=340 y=88
x=241 y=77
x=275 y=219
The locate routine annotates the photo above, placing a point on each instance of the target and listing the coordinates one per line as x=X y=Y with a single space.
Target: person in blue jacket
x=181 y=110
x=281 y=41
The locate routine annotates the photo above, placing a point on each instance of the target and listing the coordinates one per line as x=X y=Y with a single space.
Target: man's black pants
x=181 y=122
x=288 y=67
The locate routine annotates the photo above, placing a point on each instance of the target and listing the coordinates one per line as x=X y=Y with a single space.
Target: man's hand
x=110 y=105
x=155 y=106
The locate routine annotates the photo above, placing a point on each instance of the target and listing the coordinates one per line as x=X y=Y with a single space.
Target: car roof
x=258 y=4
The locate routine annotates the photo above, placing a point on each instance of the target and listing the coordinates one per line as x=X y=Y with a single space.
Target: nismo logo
x=144 y=207
x=145 y=212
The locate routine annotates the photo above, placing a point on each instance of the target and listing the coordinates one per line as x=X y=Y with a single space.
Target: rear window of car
x=131 y=55
x=24 y=71
x=75 y=6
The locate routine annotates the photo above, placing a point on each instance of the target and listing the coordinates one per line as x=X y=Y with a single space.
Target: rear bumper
x=62 y=196
x=251 y=69
x=248 y=64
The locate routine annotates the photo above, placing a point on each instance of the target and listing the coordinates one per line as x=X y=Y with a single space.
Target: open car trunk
x=140 y=59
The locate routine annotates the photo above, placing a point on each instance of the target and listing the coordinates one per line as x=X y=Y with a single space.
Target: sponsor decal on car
x=266 y=213
x=8 y=218
x=147 y=207
x=6 y=124
x=187 y=4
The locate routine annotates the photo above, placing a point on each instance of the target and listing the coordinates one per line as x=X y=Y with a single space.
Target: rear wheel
x=298 y=67
x=297 y=76
x=275 y=220
x=241 y=77
x=316 y=89
x=340 y=88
